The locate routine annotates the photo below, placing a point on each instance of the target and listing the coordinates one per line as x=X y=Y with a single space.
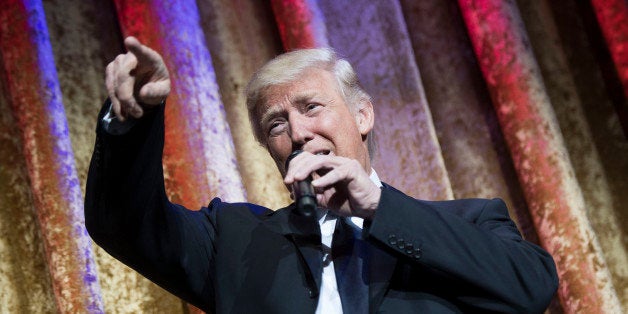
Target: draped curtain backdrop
x=522 y=100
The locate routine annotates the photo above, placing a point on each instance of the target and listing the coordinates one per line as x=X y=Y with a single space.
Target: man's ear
x=365 y=117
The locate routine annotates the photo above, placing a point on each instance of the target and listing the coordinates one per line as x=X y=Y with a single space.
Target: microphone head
x=291 y=156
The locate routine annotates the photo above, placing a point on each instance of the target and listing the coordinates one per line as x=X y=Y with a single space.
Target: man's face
x=311 y=114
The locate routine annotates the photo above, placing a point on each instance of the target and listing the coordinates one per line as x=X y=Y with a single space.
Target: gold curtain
x=522 y=100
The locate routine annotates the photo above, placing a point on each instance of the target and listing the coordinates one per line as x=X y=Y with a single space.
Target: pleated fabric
x=522 y=100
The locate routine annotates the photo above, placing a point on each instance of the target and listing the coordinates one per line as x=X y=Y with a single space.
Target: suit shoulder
x=465 y=202
x=218 y=207
x=448 y=203
x=461 y=207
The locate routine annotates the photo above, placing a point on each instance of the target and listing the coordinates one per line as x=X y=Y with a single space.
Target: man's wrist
x=368 y=212
x=113 y=126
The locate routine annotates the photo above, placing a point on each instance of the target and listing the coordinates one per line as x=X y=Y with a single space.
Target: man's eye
x=276 y=127
x=312 y=106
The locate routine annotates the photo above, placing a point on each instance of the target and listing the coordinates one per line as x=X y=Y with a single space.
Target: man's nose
x=300 y=130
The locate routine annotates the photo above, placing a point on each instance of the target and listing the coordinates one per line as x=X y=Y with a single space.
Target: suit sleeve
x=471 y=247
x=128 y=214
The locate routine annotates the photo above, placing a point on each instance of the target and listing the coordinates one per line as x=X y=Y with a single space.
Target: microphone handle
x=305 y=197
x=303 y=192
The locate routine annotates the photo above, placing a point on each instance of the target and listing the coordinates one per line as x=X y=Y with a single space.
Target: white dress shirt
x=329 y=298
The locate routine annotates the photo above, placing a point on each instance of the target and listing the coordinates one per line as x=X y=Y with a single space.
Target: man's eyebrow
x=301 y=99
x=270 y=114
x=304 y=98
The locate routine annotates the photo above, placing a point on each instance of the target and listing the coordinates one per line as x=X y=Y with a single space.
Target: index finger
x=292 y=164
x=143 y=53
x=306 y=164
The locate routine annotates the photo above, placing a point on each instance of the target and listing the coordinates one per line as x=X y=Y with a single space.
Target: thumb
x=153 y=93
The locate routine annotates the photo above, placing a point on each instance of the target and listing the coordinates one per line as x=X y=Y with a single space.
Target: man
x=370 y=248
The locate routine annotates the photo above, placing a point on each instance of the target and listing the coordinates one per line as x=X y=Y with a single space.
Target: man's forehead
x=274 y=100
x=275 y=96
x=311 y=84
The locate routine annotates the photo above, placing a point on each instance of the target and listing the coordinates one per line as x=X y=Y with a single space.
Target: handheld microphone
x=303 y=191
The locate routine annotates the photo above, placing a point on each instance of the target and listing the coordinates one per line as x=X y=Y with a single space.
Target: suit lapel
x=381 y=267
x=306 y=235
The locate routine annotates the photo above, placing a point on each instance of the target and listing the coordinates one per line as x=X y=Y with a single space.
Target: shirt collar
x=375 y=178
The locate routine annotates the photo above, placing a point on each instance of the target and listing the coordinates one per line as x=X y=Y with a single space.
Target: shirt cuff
x=113 y=126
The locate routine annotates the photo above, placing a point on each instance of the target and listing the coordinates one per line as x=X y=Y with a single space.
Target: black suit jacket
x=422 y=257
